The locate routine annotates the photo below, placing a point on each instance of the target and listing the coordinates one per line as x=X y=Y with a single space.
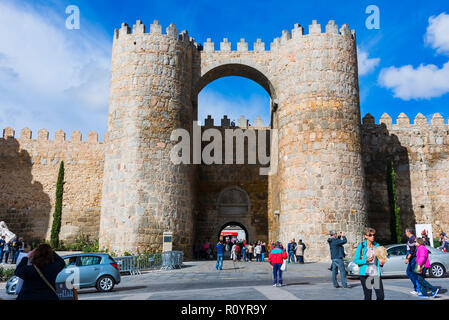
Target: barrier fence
x=164 y=261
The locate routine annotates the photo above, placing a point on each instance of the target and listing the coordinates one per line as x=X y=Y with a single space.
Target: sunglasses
x=370 y=235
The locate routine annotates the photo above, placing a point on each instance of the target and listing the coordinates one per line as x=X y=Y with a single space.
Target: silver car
x=395 y=265
x=85 y=270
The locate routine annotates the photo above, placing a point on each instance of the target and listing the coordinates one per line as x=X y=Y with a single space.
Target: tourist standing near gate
x=422 y=265
x=262 y=252
x=220 y=253
x=250 y=252
x=244 y=251
x=258 y=251
x=233 y=253
x=300 y=252
x=369 y=266
x=411 y=261
x=337 y=254
x=2 y=248
x=276 y=258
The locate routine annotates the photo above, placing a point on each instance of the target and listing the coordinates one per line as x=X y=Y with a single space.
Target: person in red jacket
x=276 y=258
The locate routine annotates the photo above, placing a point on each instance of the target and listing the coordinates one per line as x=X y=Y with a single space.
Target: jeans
x=277 y=271
x=292 y=255
x=258 y=257
x=244 y=256
x=6 y=257
x=300 y=259
x=219 y=264
x=368 y=292
x=2 y=252
x=424 y=285
x=338 y=263
x=412 y=275
x=262 y=257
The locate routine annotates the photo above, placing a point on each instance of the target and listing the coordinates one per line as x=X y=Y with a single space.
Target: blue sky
x=55 y=78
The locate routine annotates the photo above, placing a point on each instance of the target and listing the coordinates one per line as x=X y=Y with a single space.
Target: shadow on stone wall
x=379 y=148
x=24 y=205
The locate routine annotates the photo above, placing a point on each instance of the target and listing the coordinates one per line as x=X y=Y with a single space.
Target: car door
x=89 y=267
x=70 y=272
x=395 y=264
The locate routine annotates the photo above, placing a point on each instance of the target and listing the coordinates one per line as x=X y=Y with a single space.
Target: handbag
x=416 y=270
x=284 y=265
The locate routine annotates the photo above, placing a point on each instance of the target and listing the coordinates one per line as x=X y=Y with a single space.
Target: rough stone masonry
x=332 y=167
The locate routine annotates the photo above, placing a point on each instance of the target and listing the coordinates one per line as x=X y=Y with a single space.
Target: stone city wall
x=28 y=175
x=420 y=153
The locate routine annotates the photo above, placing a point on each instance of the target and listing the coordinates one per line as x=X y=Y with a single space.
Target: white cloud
x=424 y=82
x=51 y=77
x=437 y=35
x=365 y=64
x=217 y=105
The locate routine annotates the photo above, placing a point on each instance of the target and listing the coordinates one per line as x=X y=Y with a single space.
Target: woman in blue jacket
x=370 y=267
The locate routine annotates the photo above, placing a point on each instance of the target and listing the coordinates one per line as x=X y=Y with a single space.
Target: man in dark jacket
x=337 y=254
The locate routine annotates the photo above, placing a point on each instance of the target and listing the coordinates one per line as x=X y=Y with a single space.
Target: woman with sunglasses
x=369 y=265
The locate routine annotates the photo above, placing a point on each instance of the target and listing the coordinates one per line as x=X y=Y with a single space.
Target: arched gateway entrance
x=320 y=182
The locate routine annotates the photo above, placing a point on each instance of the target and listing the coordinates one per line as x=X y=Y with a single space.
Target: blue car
x=85 y=270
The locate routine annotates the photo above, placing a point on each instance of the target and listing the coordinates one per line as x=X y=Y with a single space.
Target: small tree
x=57 y=215
x=395 y=222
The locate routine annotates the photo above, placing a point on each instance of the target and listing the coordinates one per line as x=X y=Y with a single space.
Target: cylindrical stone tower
x=322 y=185
x=144 y=193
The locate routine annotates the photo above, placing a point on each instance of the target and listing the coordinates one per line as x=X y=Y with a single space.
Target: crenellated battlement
x=403 y=121
x=296 y=33
x=139 y=29
x=226 y=46
x=242 y=123
x=60 y=136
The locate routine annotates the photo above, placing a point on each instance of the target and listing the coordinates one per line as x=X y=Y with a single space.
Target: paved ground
x=248 y=281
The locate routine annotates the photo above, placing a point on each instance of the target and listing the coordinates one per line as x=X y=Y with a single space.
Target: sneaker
x=274 y=285
x=280 y=285
x=414 y=292
x=434 y=294
x=421 y=295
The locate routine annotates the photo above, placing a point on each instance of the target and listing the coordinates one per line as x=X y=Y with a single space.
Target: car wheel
x=437 y=270
x=105 y=284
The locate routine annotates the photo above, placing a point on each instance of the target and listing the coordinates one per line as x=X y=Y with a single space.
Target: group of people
x=370 y=257
x=9 y=251
x=296 y=250
x=242 y=251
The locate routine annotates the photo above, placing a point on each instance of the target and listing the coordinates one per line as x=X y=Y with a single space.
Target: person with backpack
x=237 y=251
x=369 y=266
x=276 y=258
x=422 y=265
